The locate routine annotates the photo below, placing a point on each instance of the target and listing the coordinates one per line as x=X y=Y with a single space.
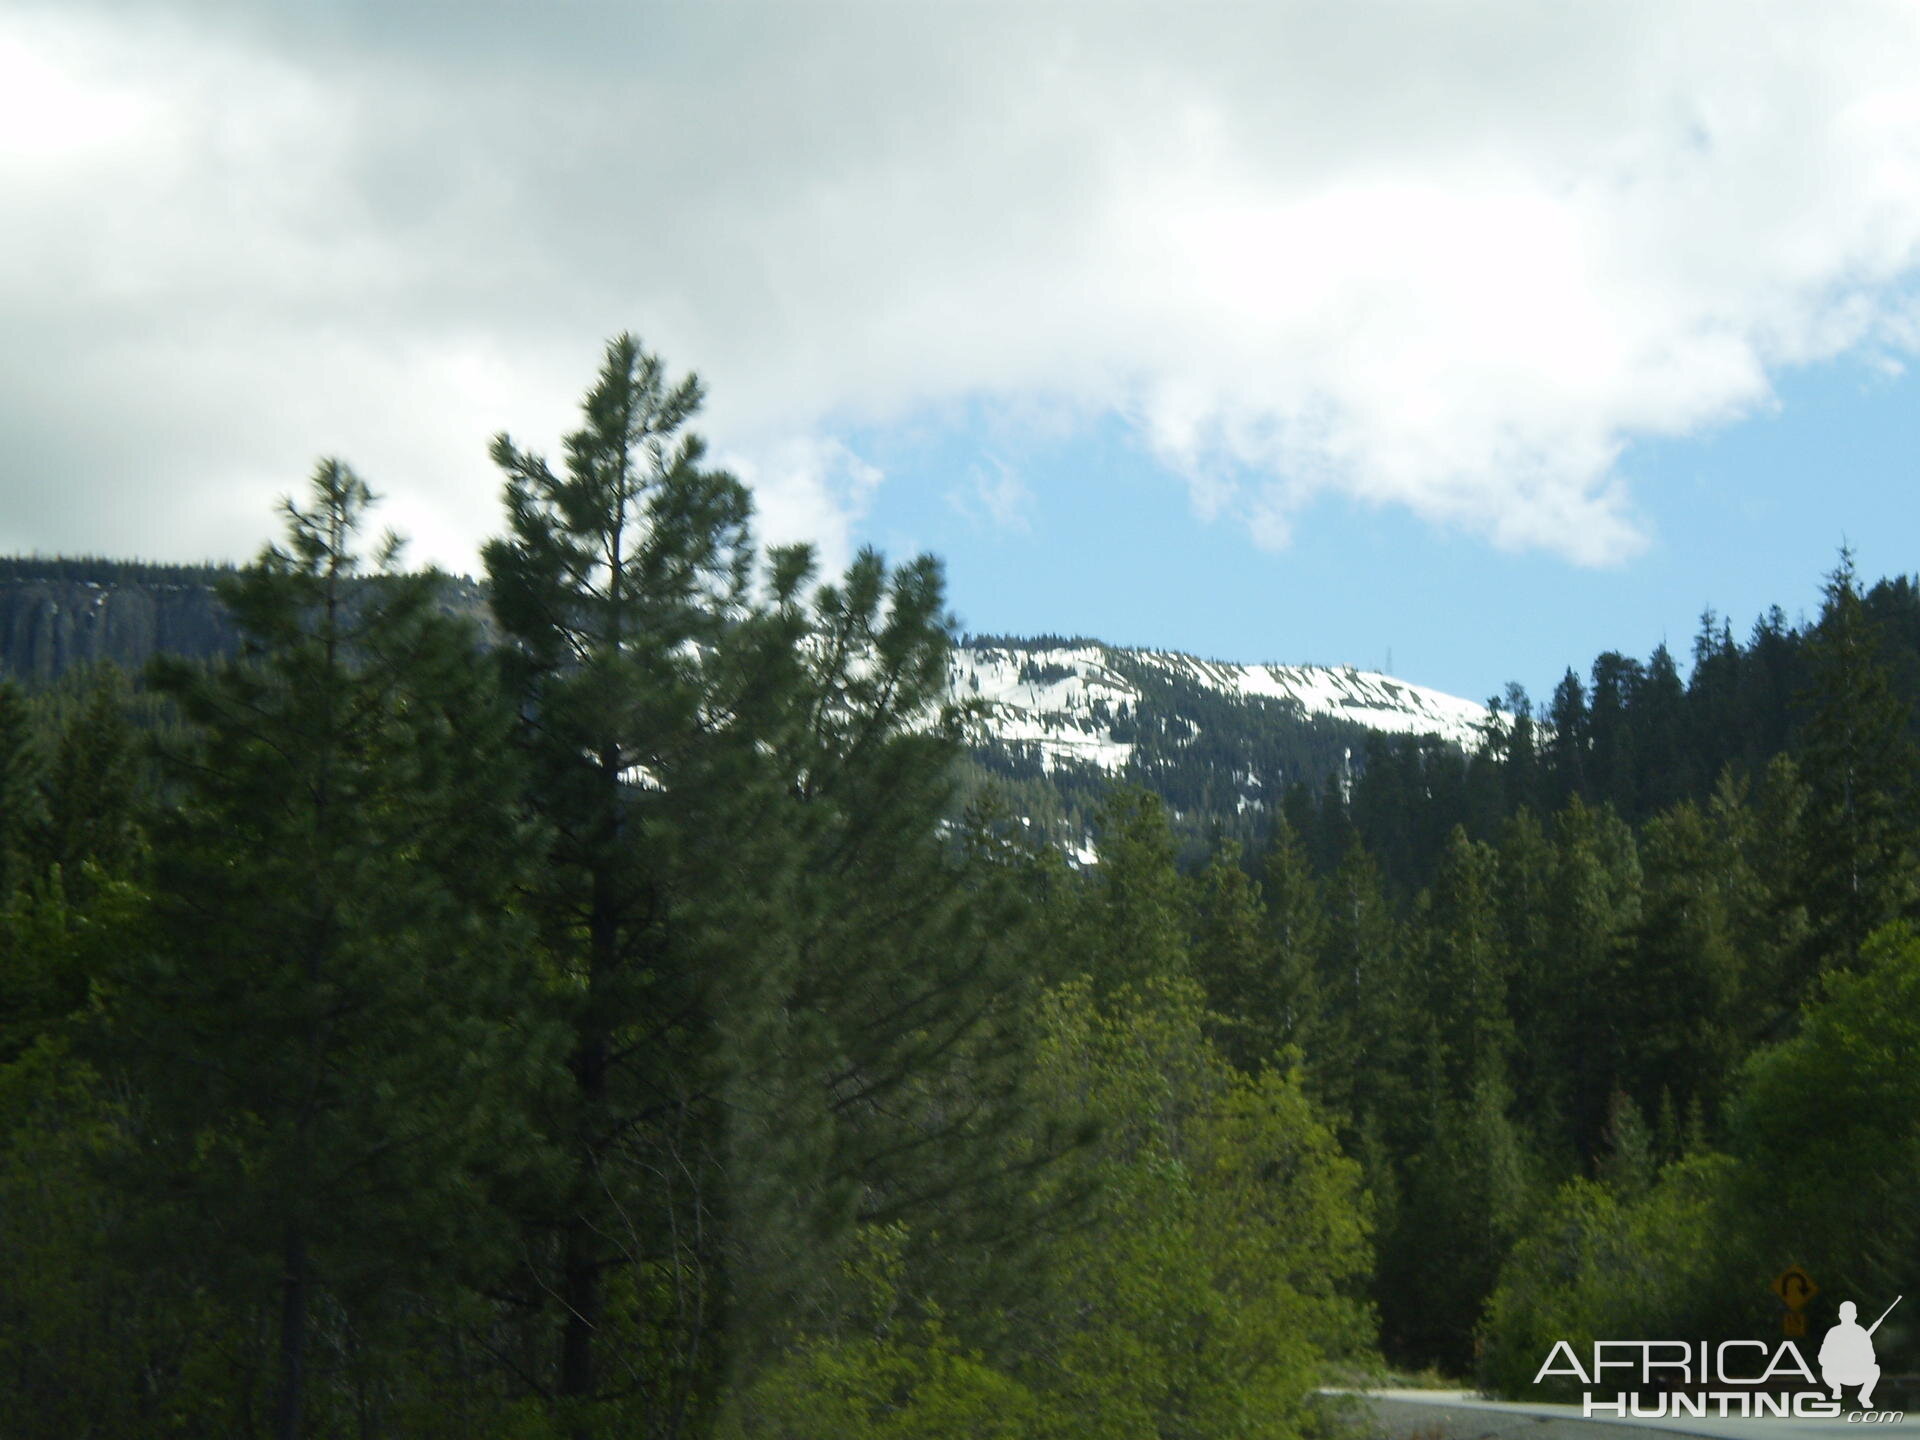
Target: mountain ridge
x=1063 y=717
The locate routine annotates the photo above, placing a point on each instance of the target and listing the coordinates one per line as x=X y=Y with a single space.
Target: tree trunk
x=293 y=1336
x=580 y=1292
x=580 y=1286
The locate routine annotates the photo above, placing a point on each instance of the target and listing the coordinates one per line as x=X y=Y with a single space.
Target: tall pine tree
x=789 y=994
x=320 y=1016
x=1859 y=763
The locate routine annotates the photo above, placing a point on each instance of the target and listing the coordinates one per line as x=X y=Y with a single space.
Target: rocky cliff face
x=55 y=615
x=58 y=614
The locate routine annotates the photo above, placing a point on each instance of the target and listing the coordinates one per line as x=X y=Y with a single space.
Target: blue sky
x=1484 y=334
x=1099 y=539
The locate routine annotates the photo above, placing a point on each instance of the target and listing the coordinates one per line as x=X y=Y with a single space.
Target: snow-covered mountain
x=1220 y=743
x=1082 y=703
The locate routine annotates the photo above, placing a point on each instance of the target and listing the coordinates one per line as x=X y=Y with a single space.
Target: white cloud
x=1451 y=257
x=995 y=495
x=809 y=491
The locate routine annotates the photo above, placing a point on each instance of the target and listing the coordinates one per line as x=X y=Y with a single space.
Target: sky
x=1460 y=339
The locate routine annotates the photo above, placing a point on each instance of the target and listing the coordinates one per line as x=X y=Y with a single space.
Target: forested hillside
x=644 y=1018
x=617 y=1030
x=1175 y=724
x=1617 y=1009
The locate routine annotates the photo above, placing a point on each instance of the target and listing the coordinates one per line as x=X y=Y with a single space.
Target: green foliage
x=618 y=588
x=89 y=786
x=54 y=947
x=691 y=1036
x=1257 y=991
x=1825 y=1156
x=1858 y=758
x=1685 y=974
x=1828 y=1127
x=318 y=1015
x=916 y=1387
x=79 y=1337
x=1467 y=963
x=1364 y=1066
x=1628 y=1162
x=791 y=995
x=893 y=1374
x=1215 y=1268
x=21 y=799
x=1465 y=1195
x=1287 y=1001
x=1578 y=1032
x=1136 y=916
x=1596 y=1265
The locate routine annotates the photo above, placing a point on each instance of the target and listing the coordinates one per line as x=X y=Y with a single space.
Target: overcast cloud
x=1448 y=257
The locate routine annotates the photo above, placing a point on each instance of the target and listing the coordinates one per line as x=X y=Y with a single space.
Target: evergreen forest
x=635 y=1014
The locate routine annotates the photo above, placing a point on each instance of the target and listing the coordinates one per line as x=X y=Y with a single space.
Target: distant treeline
x=1632 y=735
x=102 y=570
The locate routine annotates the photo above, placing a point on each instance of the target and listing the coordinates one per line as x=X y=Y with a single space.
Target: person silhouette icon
x=1846 y=1355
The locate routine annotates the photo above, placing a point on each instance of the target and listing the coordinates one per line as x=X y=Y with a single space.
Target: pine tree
x=1466 y=1194
x=919 y=949
x=1522 y=768
x=1773 y=921
x=1627 y=1161
x=1593 y=901
x=1233 y=962
x=1859 y=764
x=1466 y=970
x=1682 y=975
x=1138 y=913
x=1568 y=762
x=1295 y=927
x=1366 y=1060
x=1772 y=673
x=1663 y=759
x=89 y=787
x=68 y=844
x=619 y=586
x=21 y=805
x=790 y=993
x=1613 y=758
x=1715 y=723
x=1525 y=877
x=319 y=1016
x=1485 y=797
x=1387 y=807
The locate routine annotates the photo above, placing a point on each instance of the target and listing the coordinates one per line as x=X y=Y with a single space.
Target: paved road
x=1458 y=1415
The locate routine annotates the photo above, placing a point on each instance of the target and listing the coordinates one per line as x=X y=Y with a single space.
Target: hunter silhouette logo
x=1734 y=1379
x=1846 y=1355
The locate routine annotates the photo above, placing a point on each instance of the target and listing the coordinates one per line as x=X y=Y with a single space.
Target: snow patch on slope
x=1072 y=704
x=1062 y=702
